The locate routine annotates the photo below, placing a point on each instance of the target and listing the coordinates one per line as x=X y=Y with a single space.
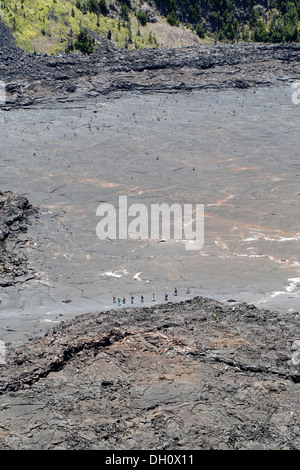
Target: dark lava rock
x=15 y=214
x=7 y=42
x=37 y=78
x=192 y=375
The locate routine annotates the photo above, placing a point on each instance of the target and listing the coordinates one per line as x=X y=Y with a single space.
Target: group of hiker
x=123 y=301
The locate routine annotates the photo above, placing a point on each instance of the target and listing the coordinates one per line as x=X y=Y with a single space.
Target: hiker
x=153 y=298
x=124 y=300
x=132 y=299
x=114 y=299
x=142 y=299
x=119 y=301
x=166 y=297
x=175 y=291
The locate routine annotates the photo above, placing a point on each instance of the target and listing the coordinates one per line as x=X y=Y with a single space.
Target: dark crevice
x=30 y=378
x=295 y=378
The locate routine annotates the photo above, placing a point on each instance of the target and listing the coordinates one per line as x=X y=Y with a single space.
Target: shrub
x=171 y=18
x=142 y=17
x=260 y=32
x=200 y=30
x=84 y=42
x=103 y=7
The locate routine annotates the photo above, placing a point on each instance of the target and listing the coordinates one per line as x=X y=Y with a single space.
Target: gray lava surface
x=212 y=125
x=235 y=151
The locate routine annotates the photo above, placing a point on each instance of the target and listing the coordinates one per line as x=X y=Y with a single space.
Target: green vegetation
x=283 y=26
x=200 y=30
x=54 y=26
x=241 y=20
x=142 y=17
x=172 y=19
x=84 y=42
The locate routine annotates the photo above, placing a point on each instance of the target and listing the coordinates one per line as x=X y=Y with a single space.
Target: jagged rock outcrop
x=36 y=79
x=192 y=375
x=15 y=214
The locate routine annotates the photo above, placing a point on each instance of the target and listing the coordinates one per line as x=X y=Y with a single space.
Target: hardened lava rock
x=15 y=214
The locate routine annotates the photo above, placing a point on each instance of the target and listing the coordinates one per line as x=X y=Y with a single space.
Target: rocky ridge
x=192 y=375
x=15 y=215
x=39 y=79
